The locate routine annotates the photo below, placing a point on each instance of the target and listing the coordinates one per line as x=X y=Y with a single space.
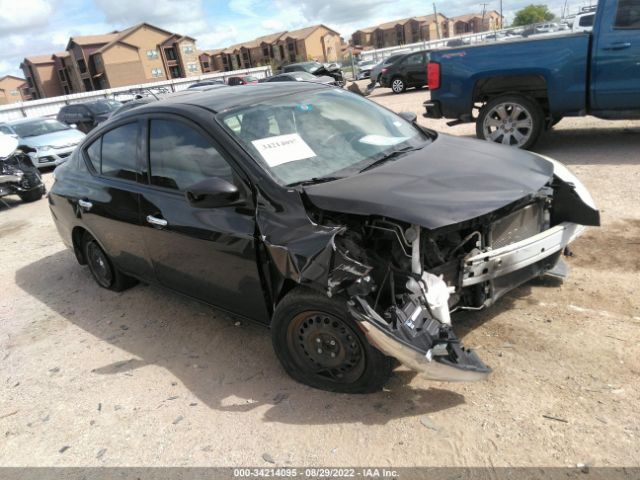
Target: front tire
x=320 y=345
x=513 y=120
x=102 y=269
x=398 y=85
x=32 y=195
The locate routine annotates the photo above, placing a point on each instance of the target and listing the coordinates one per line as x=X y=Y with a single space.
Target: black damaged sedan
x=349 y=230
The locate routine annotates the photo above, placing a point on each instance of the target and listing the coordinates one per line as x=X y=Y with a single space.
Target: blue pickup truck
x=515 y=90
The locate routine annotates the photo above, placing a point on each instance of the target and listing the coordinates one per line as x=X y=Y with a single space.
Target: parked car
x=125 y=107
x=51 y=141
x=409 y=70
x=18 y=175
x=317 y=69
x=524 y=87
x=242 y=80
x=583 y=22
x=204 y=83
x=350 y=230
x=547 y=27
x=299 y=77
x=88 y=115
x=364 y=69
x=376 y=71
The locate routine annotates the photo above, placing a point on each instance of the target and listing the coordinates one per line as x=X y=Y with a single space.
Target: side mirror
x=212 y=192
x=409 y=116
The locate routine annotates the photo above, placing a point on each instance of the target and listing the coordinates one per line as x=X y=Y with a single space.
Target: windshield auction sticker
x=283 y=149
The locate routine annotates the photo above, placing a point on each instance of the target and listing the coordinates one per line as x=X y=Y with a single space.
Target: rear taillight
x=433 y=75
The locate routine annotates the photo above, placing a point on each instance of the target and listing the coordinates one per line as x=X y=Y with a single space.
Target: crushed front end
x=402 y=281
x=18 y=175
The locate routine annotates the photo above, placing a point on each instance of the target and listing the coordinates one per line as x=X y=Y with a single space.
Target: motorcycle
x=18 y=175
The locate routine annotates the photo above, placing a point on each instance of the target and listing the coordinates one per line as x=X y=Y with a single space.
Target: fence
x=470 y=39
x=47 y=107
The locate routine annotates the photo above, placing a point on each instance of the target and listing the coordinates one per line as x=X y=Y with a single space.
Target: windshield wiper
x=388 y=157
x=313 y=181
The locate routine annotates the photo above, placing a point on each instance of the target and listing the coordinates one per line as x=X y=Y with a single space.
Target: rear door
x=616 y=58
x=109 y=201
x=206 y=253
x=415 y=69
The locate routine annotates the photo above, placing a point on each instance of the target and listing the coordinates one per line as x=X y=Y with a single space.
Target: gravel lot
x=149 y=378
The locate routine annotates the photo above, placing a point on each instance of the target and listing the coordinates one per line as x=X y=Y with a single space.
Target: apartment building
x=317 y=42
x=423 y=28
x=476 y=22
x=139 y=54
x=11 y=89
x=40 y=76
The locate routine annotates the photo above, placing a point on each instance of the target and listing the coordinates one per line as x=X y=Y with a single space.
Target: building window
x=156 y=72
x=170 y=54
x=14 y=93
x=188 y=48
x=61 y=75
x=205 y=64
x=97 y=61
x=265 y=52
x=82 y=66
x=291 y=47
x=175 y=72
x=152 y=54
x=192 y=67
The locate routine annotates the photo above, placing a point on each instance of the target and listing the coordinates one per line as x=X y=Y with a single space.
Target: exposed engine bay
x=403 y=281
x=18 y=175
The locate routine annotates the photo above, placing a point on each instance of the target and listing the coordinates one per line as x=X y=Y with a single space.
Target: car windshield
x=318 y=135
x=311 y=66
x=250 y=78
x=101 y=107
x=38 y=127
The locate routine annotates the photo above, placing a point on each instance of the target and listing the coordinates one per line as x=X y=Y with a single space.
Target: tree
x=532 y=14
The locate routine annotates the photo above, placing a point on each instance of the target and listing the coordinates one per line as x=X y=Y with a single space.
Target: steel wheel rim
x=509 y=124
x=323 y=344
x=99 y=265
x=397 y=85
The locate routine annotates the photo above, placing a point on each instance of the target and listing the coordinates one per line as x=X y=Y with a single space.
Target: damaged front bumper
x=434 y=352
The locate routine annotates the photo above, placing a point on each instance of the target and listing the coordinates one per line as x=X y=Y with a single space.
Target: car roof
x=221 y=99
x=28 y=120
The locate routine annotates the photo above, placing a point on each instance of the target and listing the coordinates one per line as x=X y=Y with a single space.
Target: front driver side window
x=180 y=156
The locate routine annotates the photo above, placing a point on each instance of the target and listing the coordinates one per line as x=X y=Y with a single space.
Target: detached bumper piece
x=432 y=349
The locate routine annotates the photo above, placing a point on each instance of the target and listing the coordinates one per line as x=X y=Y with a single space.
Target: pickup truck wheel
x=511 y=120
x=320 y=345
x=398 y=85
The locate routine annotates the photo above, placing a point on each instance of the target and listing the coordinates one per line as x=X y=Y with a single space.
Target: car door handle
x=86 y=204
x=618 y=46
x=159 y=222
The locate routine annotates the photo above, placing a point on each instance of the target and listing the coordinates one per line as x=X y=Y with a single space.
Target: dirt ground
x=148 y=378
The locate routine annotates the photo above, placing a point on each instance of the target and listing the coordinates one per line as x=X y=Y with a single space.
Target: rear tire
x=102 y=269
x=513 y=120
x=320 y=345
x=398 y=85
x=32 y=195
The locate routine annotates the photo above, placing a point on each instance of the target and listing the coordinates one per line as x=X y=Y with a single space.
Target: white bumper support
x=495 y=263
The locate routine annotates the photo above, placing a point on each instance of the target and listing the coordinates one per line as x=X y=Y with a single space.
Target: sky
x=35 y=27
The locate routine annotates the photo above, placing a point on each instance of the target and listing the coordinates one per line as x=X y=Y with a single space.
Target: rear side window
x=180 y=156
x=119 y=152
x=628 y=14
x=415 y=59
x=586 y=21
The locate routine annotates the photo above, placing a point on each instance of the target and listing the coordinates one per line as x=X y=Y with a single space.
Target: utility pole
x=501 y=17
x=484 y=11
x=435 y=13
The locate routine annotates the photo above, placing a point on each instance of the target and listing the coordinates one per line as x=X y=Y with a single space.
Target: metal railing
x=459 y=40
x=48 y=107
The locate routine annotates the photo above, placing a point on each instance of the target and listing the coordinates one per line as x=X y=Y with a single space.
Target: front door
x=416 y=69
x=206 y=253
x=616 y=60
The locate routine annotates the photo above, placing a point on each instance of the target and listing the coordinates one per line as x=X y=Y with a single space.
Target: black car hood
x=447 y=182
